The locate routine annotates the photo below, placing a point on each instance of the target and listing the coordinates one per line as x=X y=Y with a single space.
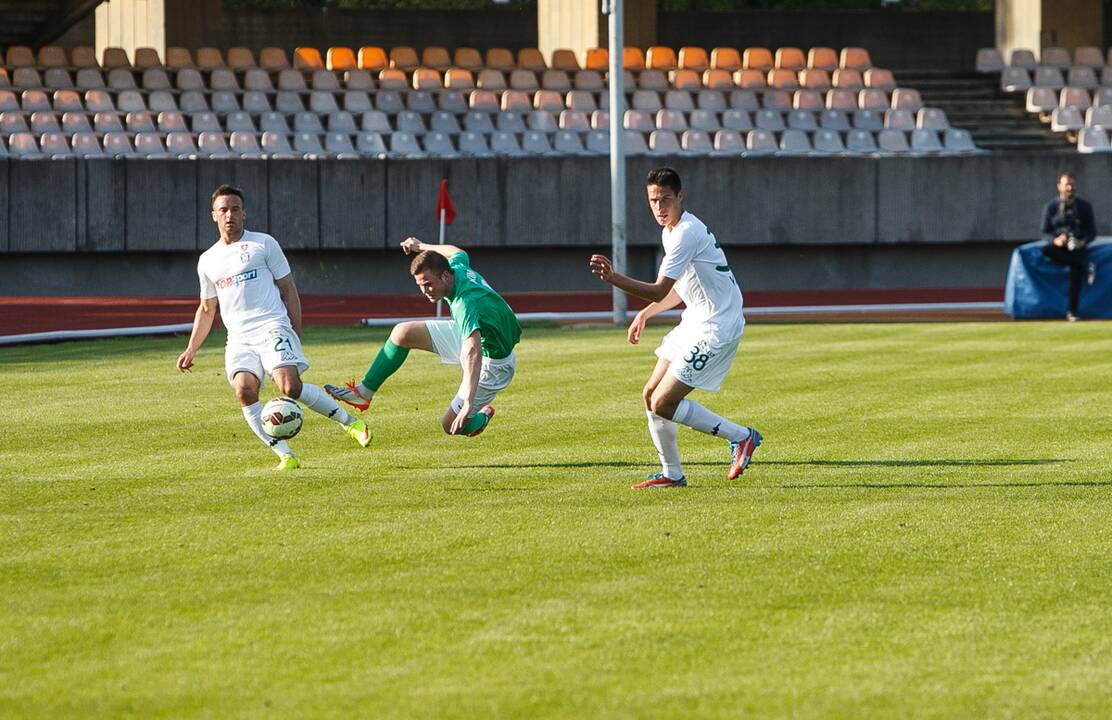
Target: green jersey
x=476 y=306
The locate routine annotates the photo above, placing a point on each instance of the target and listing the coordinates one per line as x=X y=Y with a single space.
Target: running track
x=43 y=314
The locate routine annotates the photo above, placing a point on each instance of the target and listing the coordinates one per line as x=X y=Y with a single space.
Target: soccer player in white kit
x=247 y=275
x=699 y=351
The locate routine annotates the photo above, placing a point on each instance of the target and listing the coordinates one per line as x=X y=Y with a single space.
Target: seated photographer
x=1068 y=228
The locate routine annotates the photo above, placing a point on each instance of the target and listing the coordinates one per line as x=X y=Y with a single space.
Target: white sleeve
x=208 y=289
x=276 y=259
x=679 y=255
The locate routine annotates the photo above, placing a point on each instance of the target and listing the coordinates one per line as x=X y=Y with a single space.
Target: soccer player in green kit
x=480 y=336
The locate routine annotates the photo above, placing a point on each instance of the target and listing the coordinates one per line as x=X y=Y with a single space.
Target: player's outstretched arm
x=412 y=246
x=472 y=361
x=202 y=326
x=292 y=300
x=633 y=335
x=653 y=292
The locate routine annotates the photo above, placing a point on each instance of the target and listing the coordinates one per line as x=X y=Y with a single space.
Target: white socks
x=253 y=414
x=664 y=435
x=319 y=401
x=697 y=417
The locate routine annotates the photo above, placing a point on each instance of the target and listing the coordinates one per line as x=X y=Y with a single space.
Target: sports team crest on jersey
x=244 y=255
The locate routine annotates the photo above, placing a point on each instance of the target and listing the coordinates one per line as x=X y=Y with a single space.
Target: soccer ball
x=282 y=418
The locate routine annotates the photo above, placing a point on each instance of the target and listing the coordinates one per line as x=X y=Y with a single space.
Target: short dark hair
x=429 y=260
x=664 y=177
x=1066 y=173
x=228 y=190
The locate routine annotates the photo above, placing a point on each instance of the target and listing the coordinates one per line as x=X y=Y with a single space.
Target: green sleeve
x=460 y=261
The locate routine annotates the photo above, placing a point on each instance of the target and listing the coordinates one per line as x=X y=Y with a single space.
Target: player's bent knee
x=404 y=334
x=290 y=387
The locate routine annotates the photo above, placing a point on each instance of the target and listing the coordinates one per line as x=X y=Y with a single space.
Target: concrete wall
x=835 y=222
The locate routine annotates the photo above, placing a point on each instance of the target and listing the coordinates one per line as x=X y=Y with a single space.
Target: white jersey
x=241 y=275
x=704 y=281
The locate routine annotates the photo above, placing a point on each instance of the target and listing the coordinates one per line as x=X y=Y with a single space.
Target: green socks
x=386 y=363
x=473 y=423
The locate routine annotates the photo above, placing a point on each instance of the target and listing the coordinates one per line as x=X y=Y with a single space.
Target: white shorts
x=262 y=352
x=494 y=376
x=698 y=357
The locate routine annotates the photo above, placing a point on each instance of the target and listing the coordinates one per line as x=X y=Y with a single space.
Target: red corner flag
x=444 y=202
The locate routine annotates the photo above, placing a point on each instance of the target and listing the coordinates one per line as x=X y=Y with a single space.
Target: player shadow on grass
x=758 y=463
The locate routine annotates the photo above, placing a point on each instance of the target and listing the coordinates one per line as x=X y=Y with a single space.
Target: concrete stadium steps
x=996 y=120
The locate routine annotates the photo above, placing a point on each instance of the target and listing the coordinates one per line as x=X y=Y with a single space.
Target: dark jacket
x=1075 y=219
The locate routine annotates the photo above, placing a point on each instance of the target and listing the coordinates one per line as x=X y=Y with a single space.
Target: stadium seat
x=394 y=80
x=564 y=59
x=43 y=122
x=906 y=99
x=138 y=122
x=212 y=144
x=1050 y=77
x=484 y=101
x=291 y=80
x=118 y=144
x=404 y=58
x=1074 y=97
x=527 y=59
x=989 y=60
x=375 y=122
x=130 y=101
x=503 y=143
x=802 y=120
x=84 y=56
x=86 y=144
x=308 y=146
x=725 y=58
x=557 y=80
x=654 y=80
x=710 y=100
x=664 y=142
x=274 y=122
x=241 y=58
x=1088 y=56
x=666 y=120
x=892 y=142
x=542 y=121
x=410 y=122
x=750 y=79
x=872 y=100
x=574 y=120
x=679 y=100
x=567 y=142
x=89 y=79
x=536 y=143
x=114 y=57
x=479 y=122
x=176 y=59
x=245 y=144
x=182 y=145
x=473 y=144
x=744 y=100
x=728 y=142
x=705 y=120
x=57 y=78
x=770 y=120
x=186 y=79
x=427 y=79
x=358 y=80
x=289 y=102
x=307 y=58
x=523 y=80
x=29 y=78
x=1093 y=140
x=9 y=102
x=869 y=120
x=595 y=59
x=686 y=80
x=693 y=58
x=1099 y=116
x=777 y=100
x=210 y=58
x=814 y=79
x=634 y=143
x=370 y=145
x=633 y=59
x=860 y=142
x=273 y=59
x=224 y=102
x=436 y=57
x=1041 y=100
x=439 y=145
x=276 y=145
x=339 y=146
x=1066 y=119
x=509 y=121
x=597 y=143
x=822 y=58
x=1015 y=79
x=257 y=80
x=147 y=57
x=519 y=100
x=735 y=119
x=169 y=122
x=35 y=101
x=107 y=122
x=828 y=142
x=467 y=58
x=695 y=142
x=19 y=56
x=899 y=119
x=810 y=100
x=660 y=57
x=714 y=79
x=834 y=120
x=639 y=120
x=459 y=79
x=581 y=101
x=1056 y=57
x=341 y=122
x=757 y=58
x=790 y=58
x=75 y=122
x=847 y=79
x=325 y=80
x=23 y=145
x=453 y=101
x=51 y=56
x=373 y=59
x=600 y=120
x=1083 y=77
x=223 y=79
x=956 y=140
x=880 y=78
x=155 y=79
x=256 y=102
x=240 y=122
x=760 y=142
x=925 y=141
x=855 y=58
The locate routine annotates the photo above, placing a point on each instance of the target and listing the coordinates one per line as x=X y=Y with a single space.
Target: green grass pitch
x=926 y=532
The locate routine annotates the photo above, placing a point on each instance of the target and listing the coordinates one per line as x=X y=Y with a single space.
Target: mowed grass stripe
x=923 y=533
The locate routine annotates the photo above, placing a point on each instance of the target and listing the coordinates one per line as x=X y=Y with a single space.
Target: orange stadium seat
x=240 y=58
x=693 y=58
x=848 y=79
x=84 y=56
x=178 y=57
x=427 y=79
x=757 y=58
x=725 y=58
x=207 y=58
x=483 y=101
x=468 y=58
x=502 y=59
x=436 y=57
x=273 y=59
x=564 y=59
x=855 y=58
x=685 y=80
x=146 y=57
x=52 y=56
x=661 y=58
x=822 y=58
x=750 y=79
x=633 y=58
x=814 y=78
x=307 y=58
x=115 y=57
x=341 y=58
x=392 y=79
x=782 y=79
x=594 y=59
x=20 y=56
x=459 y=79
x=373 y=58
x=403 y=58
x=717 y=79
x=790 y=58
x=879 y=78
